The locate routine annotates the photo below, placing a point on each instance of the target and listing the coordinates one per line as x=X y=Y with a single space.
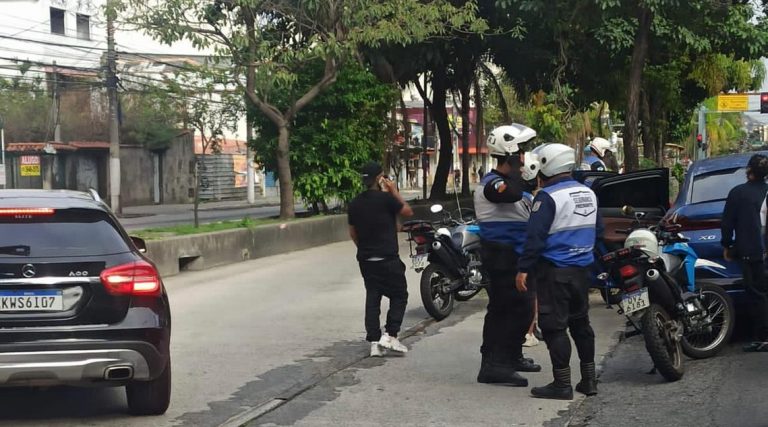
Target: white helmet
x=506 y=140
x=555 y=159
x=600 y=146
x=531 y=166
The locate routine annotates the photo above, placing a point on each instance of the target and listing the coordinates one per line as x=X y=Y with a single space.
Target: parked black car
x=79 y=302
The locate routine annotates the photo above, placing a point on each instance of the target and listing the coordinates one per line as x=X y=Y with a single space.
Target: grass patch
x=187 y=229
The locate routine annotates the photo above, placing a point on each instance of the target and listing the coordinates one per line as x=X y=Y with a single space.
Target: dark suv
x=79 y=302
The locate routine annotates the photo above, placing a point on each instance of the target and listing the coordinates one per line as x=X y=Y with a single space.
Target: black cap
x=369 y=173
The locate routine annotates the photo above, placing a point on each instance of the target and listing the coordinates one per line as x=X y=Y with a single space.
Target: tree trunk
x=479 y=125
x=440 y=116
x=284 y=173
x=648 y=130
x=465 y=124
x=636 y=66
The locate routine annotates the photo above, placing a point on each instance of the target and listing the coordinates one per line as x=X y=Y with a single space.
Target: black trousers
x=384 y=278
x=564 y=305
x=510 y=312
x=508 y=317
x=757 y=292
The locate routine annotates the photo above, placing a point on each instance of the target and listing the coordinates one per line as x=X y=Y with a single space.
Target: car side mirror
x=140 y=244
x=437 y=208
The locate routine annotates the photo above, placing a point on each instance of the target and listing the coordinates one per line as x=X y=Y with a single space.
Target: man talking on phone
x=372 y=219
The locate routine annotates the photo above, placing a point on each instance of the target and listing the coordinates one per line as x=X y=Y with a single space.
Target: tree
x=276 y=40
x=24 y=109
x=152 y=119
x=345 y=127
x=210 y=115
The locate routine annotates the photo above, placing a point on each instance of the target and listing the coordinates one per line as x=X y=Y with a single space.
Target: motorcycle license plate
x=635 y=301
x=420 y=261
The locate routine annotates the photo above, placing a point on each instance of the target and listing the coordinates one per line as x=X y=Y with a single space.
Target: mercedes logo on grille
x=28 y=271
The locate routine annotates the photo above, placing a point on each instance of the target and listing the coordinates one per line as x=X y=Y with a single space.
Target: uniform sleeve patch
x=536 y=206
x=500 y=186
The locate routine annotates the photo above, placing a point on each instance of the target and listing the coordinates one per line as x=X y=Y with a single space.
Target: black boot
x=525 y=364
x=560 y=389
x=588 y=383
x=492 y=372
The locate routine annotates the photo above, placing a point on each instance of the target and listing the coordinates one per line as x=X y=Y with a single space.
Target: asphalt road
x=171 y=219
x=242 y=334
x=286 y=333
x=727 y=390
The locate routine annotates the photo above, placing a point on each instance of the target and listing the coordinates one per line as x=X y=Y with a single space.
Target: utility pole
x=114 y=131
x=56 y=105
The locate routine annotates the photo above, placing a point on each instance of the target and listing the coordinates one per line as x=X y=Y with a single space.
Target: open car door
x=647 y=191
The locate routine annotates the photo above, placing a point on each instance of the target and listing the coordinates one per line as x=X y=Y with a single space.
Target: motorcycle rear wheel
x=438 y=304
x=700 y=345
x=665 y=351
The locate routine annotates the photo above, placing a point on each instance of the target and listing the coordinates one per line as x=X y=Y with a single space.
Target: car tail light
x=135 y=278
x=688 y=224
x=26 y=212
x=628 y=271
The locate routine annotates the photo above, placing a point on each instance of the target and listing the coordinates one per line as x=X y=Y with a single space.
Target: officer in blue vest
x=595 y=154
x=562 y=231
x=502 y=212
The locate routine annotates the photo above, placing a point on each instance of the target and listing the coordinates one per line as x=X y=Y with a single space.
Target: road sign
x=30 y=165
x=735 y=102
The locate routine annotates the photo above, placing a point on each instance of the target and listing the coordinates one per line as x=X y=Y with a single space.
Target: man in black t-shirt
x=373 y=227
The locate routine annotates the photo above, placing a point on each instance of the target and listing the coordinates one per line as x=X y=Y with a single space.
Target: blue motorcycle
x=653 y=277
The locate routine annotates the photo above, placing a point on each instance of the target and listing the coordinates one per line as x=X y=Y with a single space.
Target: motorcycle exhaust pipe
x=660 y=290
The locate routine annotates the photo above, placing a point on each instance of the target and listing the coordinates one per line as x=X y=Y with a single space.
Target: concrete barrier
x=206 y=250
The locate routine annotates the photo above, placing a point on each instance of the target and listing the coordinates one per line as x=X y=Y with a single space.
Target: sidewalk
x=435 y=384
x=170 y=209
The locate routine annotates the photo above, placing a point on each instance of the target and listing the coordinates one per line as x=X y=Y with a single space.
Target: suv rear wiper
x=20 y=250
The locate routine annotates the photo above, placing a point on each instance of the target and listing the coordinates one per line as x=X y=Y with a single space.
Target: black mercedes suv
x=79 y=302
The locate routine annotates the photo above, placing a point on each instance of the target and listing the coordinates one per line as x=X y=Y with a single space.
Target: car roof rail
x=95 y=195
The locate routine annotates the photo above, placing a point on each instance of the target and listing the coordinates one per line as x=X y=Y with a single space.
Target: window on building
x=57 y=21
x=83 y=27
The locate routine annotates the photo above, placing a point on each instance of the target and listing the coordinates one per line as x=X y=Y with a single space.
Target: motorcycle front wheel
x=665 y=350
x=715 y=334
x=437 y=303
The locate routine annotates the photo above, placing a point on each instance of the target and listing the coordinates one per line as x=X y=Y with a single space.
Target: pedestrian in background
x=562 y=232
x=372 y=221
x=743 y=240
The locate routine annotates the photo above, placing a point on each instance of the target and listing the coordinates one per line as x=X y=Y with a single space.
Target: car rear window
x=716 y=185
x=67 y=232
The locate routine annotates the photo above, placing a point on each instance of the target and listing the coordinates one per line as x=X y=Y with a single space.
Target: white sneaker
x=530 y=341
x=392 y=343
x=377 y=350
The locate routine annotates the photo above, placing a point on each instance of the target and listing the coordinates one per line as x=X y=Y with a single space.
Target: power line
x=76 y=47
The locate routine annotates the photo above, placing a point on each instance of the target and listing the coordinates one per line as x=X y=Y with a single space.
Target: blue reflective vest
x=563 y=227
x=503 y=223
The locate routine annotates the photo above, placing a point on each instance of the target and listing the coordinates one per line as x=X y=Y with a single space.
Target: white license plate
x=420 y=261
x=635 y=301
x=42 y=300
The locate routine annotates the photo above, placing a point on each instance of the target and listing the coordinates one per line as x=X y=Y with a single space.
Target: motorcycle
x=654 y=276
x=447 y=254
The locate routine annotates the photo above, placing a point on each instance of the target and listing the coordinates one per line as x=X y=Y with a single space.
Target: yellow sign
x=732 y=102
x=30 y=165
x=30 y=170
